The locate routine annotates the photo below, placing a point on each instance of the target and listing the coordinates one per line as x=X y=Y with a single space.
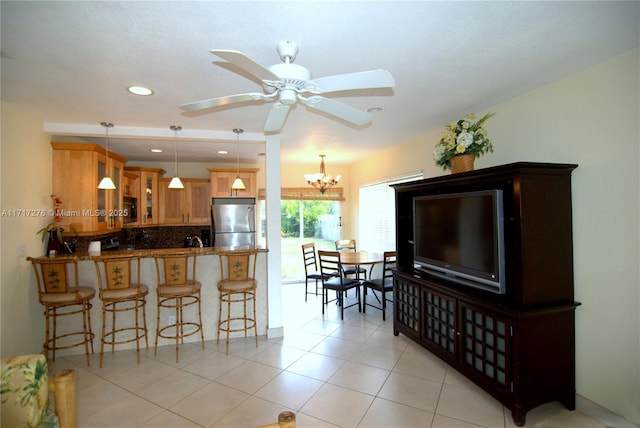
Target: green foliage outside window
x=312 y=210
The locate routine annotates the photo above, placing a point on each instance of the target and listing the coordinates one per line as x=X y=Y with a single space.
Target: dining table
x=360 y=258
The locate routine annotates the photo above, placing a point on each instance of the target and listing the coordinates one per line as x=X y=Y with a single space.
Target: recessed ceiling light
x=140 y=90
x=374 y=109
x=156 y=150
x=222 y=152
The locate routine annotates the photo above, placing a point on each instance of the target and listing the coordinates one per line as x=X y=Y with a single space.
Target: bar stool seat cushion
x=125 y=293
x=83 y=293
x=180 y=290
x=237 y=286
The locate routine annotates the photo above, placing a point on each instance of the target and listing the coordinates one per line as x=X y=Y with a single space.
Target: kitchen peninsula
x=207 y=272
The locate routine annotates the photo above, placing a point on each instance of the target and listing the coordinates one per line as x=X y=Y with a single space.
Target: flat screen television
x=460 y=237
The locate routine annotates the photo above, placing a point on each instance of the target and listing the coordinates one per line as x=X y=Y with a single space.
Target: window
x=306 y=216
x=377 y=215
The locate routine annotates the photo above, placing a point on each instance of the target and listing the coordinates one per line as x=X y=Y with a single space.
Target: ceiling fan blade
x=350 y=81
x=337 y=109
x=247 y=64
x=277 y=116
x=222 y=101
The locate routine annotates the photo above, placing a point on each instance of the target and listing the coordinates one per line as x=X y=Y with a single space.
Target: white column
x=274 y=238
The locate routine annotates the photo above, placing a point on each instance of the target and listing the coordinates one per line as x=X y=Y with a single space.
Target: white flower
x=465 y=136
x=465 y=139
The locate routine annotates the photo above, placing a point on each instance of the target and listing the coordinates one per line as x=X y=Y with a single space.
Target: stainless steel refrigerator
x=233 y=222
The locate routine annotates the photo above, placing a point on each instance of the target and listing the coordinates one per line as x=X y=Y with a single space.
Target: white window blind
x=377 y=216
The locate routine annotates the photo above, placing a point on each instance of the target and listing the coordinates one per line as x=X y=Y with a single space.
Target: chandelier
x=321 y=180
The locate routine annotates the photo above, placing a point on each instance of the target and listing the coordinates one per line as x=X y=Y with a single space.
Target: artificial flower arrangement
x=54 y=225
x=464 y=137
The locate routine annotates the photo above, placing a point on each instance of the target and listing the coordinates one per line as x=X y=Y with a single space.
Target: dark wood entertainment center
x=518 y=346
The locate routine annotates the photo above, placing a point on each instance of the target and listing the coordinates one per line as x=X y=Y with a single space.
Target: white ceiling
x=70 y=62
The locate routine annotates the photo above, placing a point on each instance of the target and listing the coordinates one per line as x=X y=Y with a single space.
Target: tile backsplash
x=143 y=237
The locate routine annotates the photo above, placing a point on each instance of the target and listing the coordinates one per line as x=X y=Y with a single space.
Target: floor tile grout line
x=370 y=326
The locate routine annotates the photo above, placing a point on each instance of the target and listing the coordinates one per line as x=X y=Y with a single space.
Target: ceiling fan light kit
x=288 y=83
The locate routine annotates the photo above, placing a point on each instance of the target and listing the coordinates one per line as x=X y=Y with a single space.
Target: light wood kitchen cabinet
x=130 y=184
x=77 y=170
x=188 y=206
x=148 y=194
x=222 y=179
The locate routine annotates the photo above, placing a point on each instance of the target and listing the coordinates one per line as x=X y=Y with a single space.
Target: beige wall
x=591 y=119
x=26 y=184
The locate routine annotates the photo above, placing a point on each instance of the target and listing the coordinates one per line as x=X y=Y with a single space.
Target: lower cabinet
x=522 y=357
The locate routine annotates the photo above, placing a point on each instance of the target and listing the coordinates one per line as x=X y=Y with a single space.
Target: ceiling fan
x=288 y=83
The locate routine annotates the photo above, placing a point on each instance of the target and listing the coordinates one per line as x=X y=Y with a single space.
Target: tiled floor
x=331 y=373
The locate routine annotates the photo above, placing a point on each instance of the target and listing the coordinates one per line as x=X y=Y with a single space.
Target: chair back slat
x=56 y=275
x=238 y=265
x=309 y=257
x=174 y=269
x=120 y=272
x=330 y=266
x=388 y=264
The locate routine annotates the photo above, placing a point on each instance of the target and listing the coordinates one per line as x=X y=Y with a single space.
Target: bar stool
x=121 y=291
x=61 y=295
x=177 y=290
x=237 y=285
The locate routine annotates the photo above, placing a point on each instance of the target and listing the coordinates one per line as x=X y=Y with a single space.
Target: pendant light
x=107 y=183
x=321 y=180
x=175 y=182
x=238 y=184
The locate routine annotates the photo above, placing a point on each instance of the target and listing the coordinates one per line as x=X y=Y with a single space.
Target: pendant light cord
x=175 y=129
x=238 y=131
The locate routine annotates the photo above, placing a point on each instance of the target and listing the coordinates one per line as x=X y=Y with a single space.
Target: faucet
x=196 y=241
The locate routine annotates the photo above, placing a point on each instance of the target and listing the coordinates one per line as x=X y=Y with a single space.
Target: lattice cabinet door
x=407 y=304
x=486 y=343
x=439 y=320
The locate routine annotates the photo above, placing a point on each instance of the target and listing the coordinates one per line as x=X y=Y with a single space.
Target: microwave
x=130 y=210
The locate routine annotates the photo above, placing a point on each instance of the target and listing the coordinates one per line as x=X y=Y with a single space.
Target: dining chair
x=311 y=271
x=120 y=291
x=383 y=284
x=237 y=285
x=332 y=279
x=350 y=245
x=61 y=294
x=177 y=290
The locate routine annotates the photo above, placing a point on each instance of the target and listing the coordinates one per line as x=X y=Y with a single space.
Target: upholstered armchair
x=24 y=394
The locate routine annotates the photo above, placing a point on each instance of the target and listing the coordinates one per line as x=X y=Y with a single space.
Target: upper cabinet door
x=222 y=179
x=188 y=206
x=77 y=170
x=148 y=193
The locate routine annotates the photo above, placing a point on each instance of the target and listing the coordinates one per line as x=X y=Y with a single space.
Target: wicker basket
x=462 y=163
